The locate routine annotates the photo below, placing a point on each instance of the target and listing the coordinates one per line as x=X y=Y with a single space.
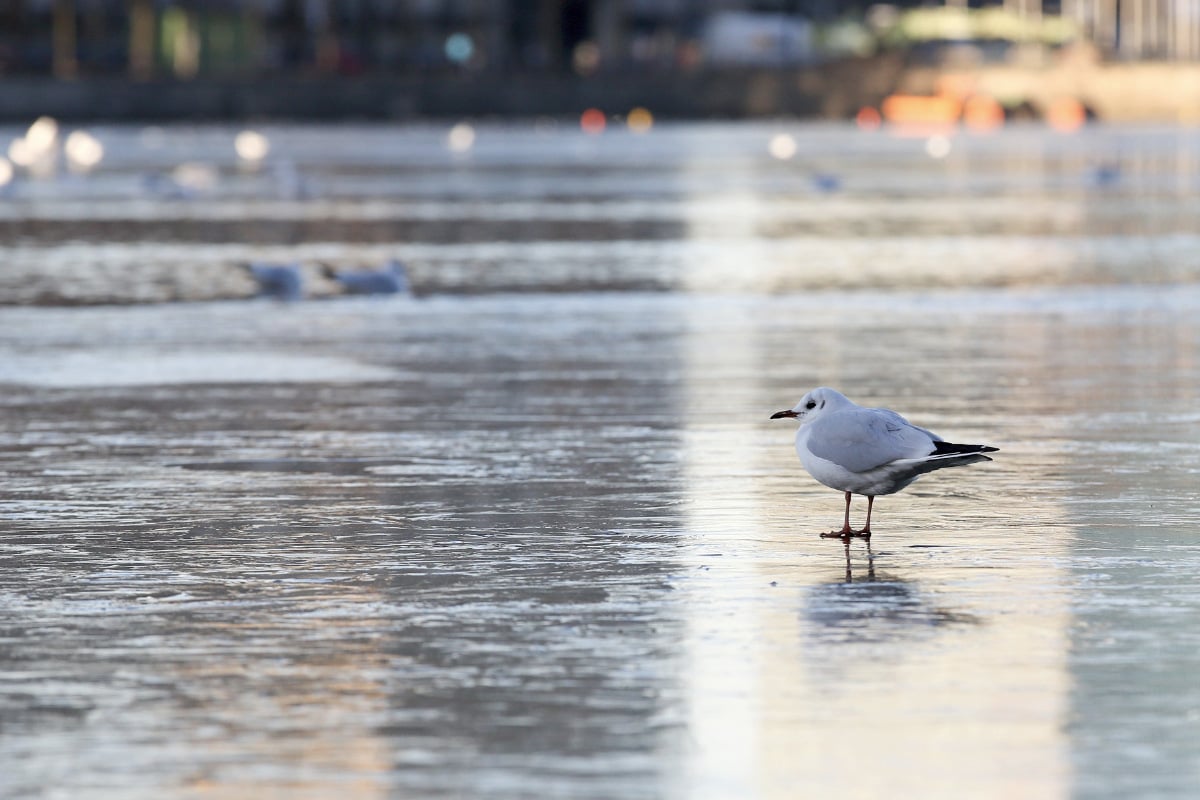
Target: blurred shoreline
x=1139 y=92
x=127 y=214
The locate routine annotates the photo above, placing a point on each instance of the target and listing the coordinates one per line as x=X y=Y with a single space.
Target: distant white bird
x=868 y=451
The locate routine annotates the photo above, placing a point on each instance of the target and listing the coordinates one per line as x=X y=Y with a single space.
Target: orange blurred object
x=911 y=109
x=959 y=86
x=1066 y=115
x=639 y=120
x=593 y=121
x=982 y=113
x=868 y=119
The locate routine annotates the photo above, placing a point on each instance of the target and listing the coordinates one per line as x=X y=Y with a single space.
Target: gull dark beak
x=782 y=414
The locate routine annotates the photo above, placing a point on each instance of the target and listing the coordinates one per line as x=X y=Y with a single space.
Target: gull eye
x=811 y=404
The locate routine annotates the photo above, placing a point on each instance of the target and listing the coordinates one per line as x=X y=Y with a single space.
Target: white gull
x=868 y=451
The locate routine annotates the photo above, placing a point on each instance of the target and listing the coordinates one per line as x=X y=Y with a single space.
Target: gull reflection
x=873 y=608
x=870 y=560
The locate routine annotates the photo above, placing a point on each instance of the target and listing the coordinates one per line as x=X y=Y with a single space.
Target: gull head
x=815 y=404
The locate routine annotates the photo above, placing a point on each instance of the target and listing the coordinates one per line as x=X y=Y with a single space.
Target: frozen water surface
x=549 y=545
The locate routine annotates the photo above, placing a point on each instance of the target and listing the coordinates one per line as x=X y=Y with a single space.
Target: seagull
x=391 y=279
x=868 y=451
x=1107 y=174
x=826 y=182
x=281 y=281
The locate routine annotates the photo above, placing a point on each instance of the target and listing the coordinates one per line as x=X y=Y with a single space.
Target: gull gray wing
x=899 y=420
x=892 y=415
x=861 y=439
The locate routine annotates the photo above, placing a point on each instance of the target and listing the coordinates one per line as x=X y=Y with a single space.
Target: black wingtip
x=949 y=448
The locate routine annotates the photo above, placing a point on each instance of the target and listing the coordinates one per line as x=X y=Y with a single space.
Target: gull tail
x=947 y=454
x=902 y=472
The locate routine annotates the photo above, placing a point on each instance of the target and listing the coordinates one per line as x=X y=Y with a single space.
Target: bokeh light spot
x=21 y=153
x=585 y=58
x=42 y=134
x=461 y=138
x=37 y=149
x=251 y=146
x=83 y=150
x=1066 y=115
x=868 y=119
x=982 y=113
x=937 y=146
x=593 y=121
x=639 y=120
x=6 y=171
x=459 y=48
x=782 y=146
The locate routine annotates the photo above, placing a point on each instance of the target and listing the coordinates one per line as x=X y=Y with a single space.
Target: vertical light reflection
x=716 y=267
x=943 y=678
x=730 y=672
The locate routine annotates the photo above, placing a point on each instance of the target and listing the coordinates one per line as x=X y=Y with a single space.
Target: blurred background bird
x=392 y=278
x=280 y=281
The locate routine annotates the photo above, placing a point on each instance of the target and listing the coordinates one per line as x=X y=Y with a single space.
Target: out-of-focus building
x=193 y=38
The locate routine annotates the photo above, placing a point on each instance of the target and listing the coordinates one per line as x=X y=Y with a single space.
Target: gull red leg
x=846 y=529
x=866 y=531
